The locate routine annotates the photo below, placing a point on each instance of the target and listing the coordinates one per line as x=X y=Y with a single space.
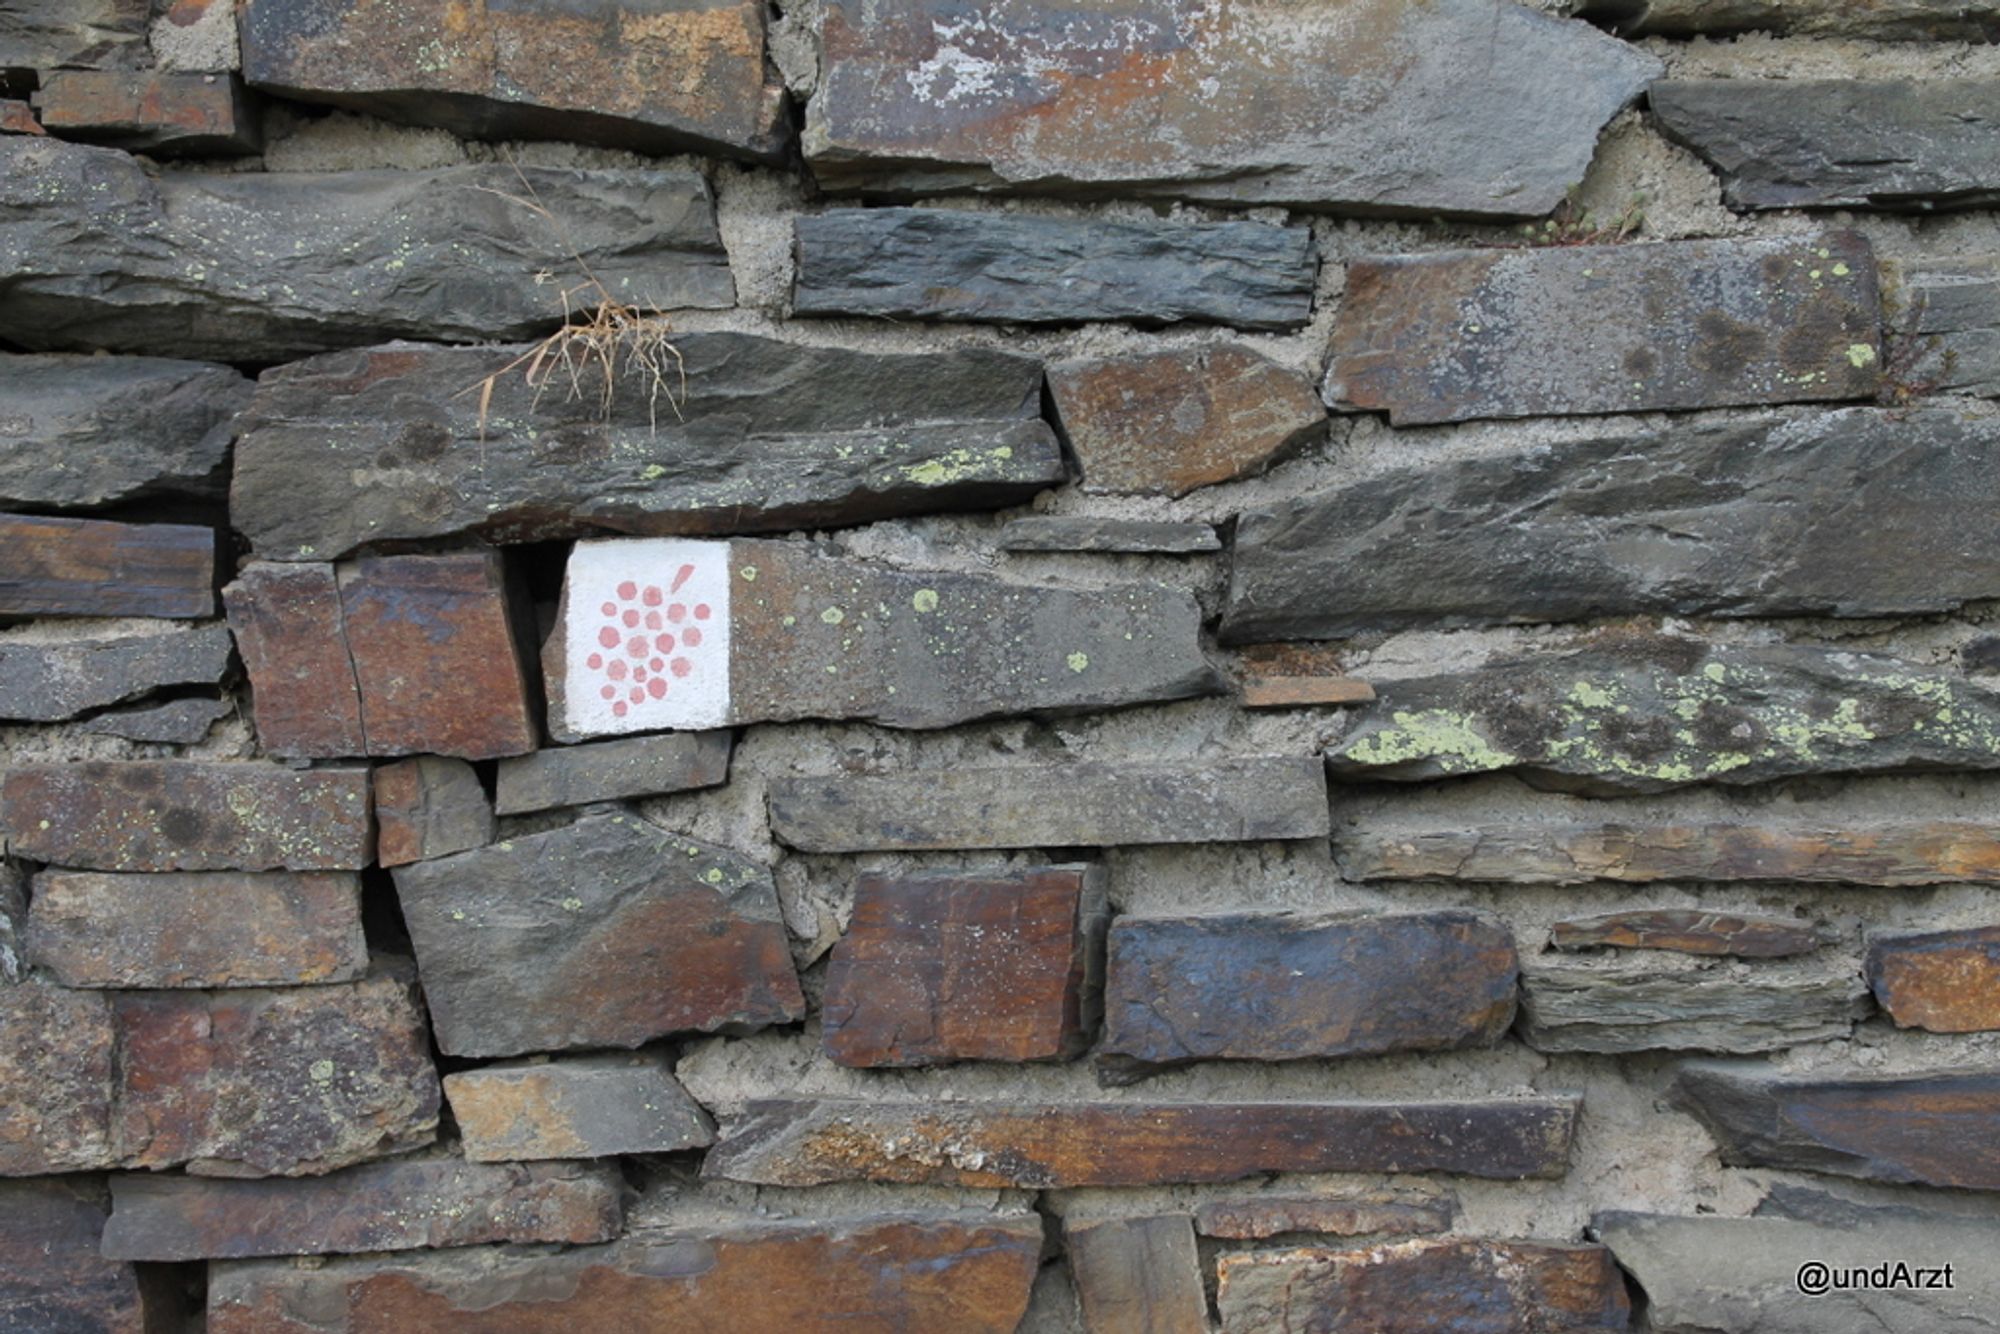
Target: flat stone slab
x=103 y=255
x=1944 y=328
x=1614 y=328
x=1084 y=805
x=613 y=770
x=292 y=633
x=1691 y=931
x=1657 y=712
x=177 y=722
x=394 y=1205
x=1275 y=1214
x=1139 y=537
x=1300 y=692
x=51 y=682
x=156 y=112
x=1280 y=987
x=575 y=1107
x=197 y=928
x=429 y=806
x=673 y=633
x=388 y=443
x=79 y=432
x=1852 y=512
x=1939 y=981
x=91 y=567
x=58 y=1055
x=91 y=34
x=1137 y=1275
x=187 y=815
x=1622 y=1007
x=1468 y=108
x=1911 y=145
x=1878 y=20
x=942 y=264
x=56 y=1278
x=1059 y=1145
x=607 y=932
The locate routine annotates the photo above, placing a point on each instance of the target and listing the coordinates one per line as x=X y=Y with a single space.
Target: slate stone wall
x=1149 y=667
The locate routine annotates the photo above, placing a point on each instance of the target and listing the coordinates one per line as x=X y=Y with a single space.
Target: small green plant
x=1571 y=224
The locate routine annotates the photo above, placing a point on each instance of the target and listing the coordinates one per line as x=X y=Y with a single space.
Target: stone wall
x=1274 y=665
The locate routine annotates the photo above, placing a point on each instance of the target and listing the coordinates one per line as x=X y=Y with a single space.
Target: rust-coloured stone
x=1441 y=1284
x=1296 y=692
x=1137 y=1275
x=197 y=928
x=17 y=117
x=150 y=111
x=436 y=657
x=1275 y=987
x=1258 y=1217
x=575 y=1107
x=427 y=807
x=1629 y=328
x=965 y=966
x=1690 y=931
x=963 y=1273
x=659 y=78
x=395 y=1205
x=92 y=567
x=187 y=815
x=1943 y=981
x=52 y=1278
x=1167 y=423
x=57 y=1056
x=1058 y=1145
x=293 y=637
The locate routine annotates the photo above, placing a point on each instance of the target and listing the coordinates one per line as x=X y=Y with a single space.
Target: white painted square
x=647 y=635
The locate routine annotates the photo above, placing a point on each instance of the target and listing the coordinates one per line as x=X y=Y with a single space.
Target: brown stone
x=293 y=638
x=58 y=1051
x=52 y=1278
x=1295 y=692
x=1943 y=981
x=643 y=766
x=91 y=567
x=1621 y=1004
x=967 y=966
x=428 y=807
x=197 y=928
x=1137 y=1275
x=395 y=1205
x=575 y=1107
x=17 y=117
x=187 y=815
x=150 y=111
x=1258 y=1217
x=1457 y=1283
x=965 y=1273
x=1167 y=423
x=1059 y=1145
x=1690 y=931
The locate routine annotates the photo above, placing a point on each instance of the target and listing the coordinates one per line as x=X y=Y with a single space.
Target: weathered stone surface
x=942 y=264
x=1294 y=692
x=178 y=722
x=575 y=1107
x=1936 y=1130
x=396 y=1205
x=1839 y=143
x=17 y=117
x=1137 y=1275
x=197 y=928
x=292 y=634
x=48 y=682
x=78 y=432
x=1058 y=1145
x=610 y=770
x=604 y=933
x=1167 y=423
x=13 y=921
x=1942 y=981
x=967 y=966
x=1616 y=328
x=1944 y=329
x=1879 y=20
x=1278 y=986
x=624 y=73
x=671 y=633
x=187 y=815
x=1636 y=1007
x=1083 y=805
x=1258 y=1217
x=1653 y=712
x=1854 y=512
x=967 y=1273
x=1466 y=107
x=1131 y=536
x=89 y=567
x=1690 y=931
x=429 y=806
x=1456 y=1283
x=90 y=34
x=58 y=1053
x=150 y=111
x=99 y=254
x=52 y=1278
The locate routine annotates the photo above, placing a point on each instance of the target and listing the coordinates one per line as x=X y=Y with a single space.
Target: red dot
x=631 y=619
x=636 y=646
x=619 y=708
x=616 y=671
x=691 y=637
x=628 y=590
x=657 y=665
x=657 y=688
x=595 y=661
x=677 y=613
x=610 y=609
x=665 y=643
x=653 y=621
x=680 y=666
x=609 y=692
x=638 y=673
x=701 y=612
x=653 y=596
x=638 y=696
x=608 y=637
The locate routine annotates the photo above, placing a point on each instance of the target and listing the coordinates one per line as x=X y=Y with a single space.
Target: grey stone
x=96 y=253
x=1854 y=512
x=178 y=722
x=88 y=34
x=1840 y=143
x=1944 y=332
x=1645 y=713
x=1138 y=1275
x=388 y=443
x=609 y=770
x=46 y=683
x=1467 y=107
x=1637 y=1007
x=1052 y=805
x=13 y=920
x=1878 y=20
x=938 y=264
x=1127 y=536
x=79 y=432
x=575 y=1107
